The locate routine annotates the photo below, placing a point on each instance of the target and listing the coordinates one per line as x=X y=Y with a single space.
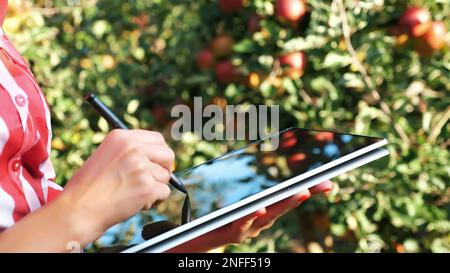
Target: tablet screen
x=241 y=173
x=247 y=171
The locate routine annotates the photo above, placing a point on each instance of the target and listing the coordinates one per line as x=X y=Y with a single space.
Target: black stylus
x=115 y=122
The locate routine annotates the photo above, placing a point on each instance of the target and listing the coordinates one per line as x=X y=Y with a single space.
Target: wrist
x=82 y=227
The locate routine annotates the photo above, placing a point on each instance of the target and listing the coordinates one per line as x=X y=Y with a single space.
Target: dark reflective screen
x=244 y=172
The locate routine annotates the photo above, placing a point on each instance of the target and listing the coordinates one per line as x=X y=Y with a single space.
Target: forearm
x=56 y=227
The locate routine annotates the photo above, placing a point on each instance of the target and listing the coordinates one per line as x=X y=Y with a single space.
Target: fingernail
x=260 y=213
x=305 y=195
x=327 y=192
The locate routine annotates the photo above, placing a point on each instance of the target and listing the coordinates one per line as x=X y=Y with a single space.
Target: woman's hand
x=128 y=172
x=251 y=225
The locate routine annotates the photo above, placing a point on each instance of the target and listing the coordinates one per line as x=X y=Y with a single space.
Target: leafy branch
x=347 y=32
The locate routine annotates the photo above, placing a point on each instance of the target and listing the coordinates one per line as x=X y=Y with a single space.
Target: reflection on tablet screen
x=245 y=172
x=242 y=173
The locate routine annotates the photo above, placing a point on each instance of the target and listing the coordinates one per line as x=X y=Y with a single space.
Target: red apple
x=293 y=60
x=288 y=140
x=289 y=135
x=229 y=6
x=295 y=159
x=324 y=136
x=205 y=59
x=290 y=10
x=288 y=143
x=435 y=36
x=160 y=114
x=294 y=64
x=222 y=45
x=226 y=72
x=414 y=21
x=141 y=21
x=253 y=24
x=432 y=40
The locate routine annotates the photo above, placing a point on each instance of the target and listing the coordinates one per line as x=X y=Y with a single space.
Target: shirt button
x=15 y=166
x=20 y=100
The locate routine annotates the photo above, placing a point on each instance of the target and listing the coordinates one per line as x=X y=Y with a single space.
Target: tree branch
x=346 y=31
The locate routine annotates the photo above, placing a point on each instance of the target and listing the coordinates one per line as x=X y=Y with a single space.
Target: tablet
x=245 y=180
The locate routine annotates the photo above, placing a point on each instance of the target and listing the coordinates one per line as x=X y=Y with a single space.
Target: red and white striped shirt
x=26 y=173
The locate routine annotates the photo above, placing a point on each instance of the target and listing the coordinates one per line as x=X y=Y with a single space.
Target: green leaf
x=301 y=44
x=336 y=60
x=245 y=46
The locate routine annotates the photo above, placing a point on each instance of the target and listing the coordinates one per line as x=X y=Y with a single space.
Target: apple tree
x=373 y=67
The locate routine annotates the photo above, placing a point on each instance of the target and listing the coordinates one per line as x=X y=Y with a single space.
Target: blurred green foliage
x=139 y=56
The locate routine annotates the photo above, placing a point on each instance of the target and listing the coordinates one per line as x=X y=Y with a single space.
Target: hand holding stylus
x=128 y=172
x=116 y=123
